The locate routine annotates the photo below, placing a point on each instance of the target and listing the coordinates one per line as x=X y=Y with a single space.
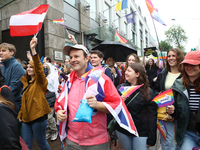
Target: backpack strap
x=133 y=98
x=6 y=87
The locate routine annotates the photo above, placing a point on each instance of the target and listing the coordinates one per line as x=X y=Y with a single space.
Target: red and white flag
x=28 y=22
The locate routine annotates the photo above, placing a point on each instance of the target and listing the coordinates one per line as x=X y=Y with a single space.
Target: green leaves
x=165 y=46
x=176 y=35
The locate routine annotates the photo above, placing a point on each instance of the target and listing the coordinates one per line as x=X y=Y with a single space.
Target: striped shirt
x=194 y=99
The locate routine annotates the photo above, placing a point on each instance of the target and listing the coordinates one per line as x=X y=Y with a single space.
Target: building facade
x=90 y=21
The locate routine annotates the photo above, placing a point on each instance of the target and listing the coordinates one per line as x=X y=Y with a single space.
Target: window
x=141 y=31
x=118 y=22
x=125 y=28
x=146 y=38
x=73 y=3
x=141 y=35
x=141 y=44
x=133 y=24
x=133 y=37
x=93 y=8
x=107 y=12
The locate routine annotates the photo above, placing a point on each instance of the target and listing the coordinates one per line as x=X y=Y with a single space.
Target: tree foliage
x=177 y=35
x=165 y=46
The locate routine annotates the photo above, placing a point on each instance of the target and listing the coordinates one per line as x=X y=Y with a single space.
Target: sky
x=185 y=12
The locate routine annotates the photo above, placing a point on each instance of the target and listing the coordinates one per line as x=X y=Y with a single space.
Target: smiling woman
x=187 y=97
x=33 y=100
x=164 y=82
x=141 y=109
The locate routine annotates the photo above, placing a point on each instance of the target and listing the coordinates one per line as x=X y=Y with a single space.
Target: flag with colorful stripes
x=164 y=99
x=154 y=12
x=118 y=37
x=128 y=90
x=59 y=21
x=162 y=128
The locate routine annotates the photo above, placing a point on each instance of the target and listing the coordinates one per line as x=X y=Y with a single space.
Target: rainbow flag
x=55 y=64
x=119 y=38
x=94 y=74
x=119 y=70
x=162 y=128
x=128 y=90
x=154 y=12
x=164 y=99
x=59 y=21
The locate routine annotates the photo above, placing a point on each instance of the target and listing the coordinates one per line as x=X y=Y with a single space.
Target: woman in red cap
x=186 y=109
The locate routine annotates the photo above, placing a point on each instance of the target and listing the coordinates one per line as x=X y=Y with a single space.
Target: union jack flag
x=113 y=103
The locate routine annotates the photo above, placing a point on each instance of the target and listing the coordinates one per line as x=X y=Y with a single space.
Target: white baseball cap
x=67 y=49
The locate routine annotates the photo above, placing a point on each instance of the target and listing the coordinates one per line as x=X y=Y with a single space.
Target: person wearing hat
x=84 y=135
x=186 y=108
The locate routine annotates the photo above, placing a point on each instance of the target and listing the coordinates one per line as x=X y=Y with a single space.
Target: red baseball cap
x=192 y=58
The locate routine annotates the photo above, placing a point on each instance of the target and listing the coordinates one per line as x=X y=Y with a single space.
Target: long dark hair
x=142 y=79
x=186 y=81
x=179 y=59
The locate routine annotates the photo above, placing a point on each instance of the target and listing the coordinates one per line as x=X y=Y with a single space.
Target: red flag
x=28 y=22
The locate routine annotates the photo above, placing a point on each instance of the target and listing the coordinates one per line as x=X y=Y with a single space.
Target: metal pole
x=158 y=42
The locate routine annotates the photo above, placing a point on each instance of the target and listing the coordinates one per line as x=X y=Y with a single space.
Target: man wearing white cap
x=84 y=135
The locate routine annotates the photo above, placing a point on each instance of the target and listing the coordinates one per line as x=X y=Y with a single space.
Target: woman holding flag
x=34 y=108
x=187 y=103
x=142 y=111
x=164 y=82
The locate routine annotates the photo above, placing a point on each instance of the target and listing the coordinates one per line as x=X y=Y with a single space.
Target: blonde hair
x=10 y=47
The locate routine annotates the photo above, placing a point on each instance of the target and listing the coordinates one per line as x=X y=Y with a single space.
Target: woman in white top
x=164 y=82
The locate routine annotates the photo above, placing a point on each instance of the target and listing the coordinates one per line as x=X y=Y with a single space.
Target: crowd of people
x=34 y=98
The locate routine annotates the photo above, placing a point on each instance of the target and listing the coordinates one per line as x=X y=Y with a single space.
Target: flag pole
x=36 y=34
x=65 y=26
x=67 y=30
x=158 y=42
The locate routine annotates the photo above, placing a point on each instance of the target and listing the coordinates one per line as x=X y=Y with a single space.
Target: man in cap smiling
x=83 y=135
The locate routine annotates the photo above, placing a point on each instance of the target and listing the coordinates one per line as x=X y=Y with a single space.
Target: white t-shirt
x=170 y=78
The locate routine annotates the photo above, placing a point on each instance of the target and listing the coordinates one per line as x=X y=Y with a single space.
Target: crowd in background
x=29 y=90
